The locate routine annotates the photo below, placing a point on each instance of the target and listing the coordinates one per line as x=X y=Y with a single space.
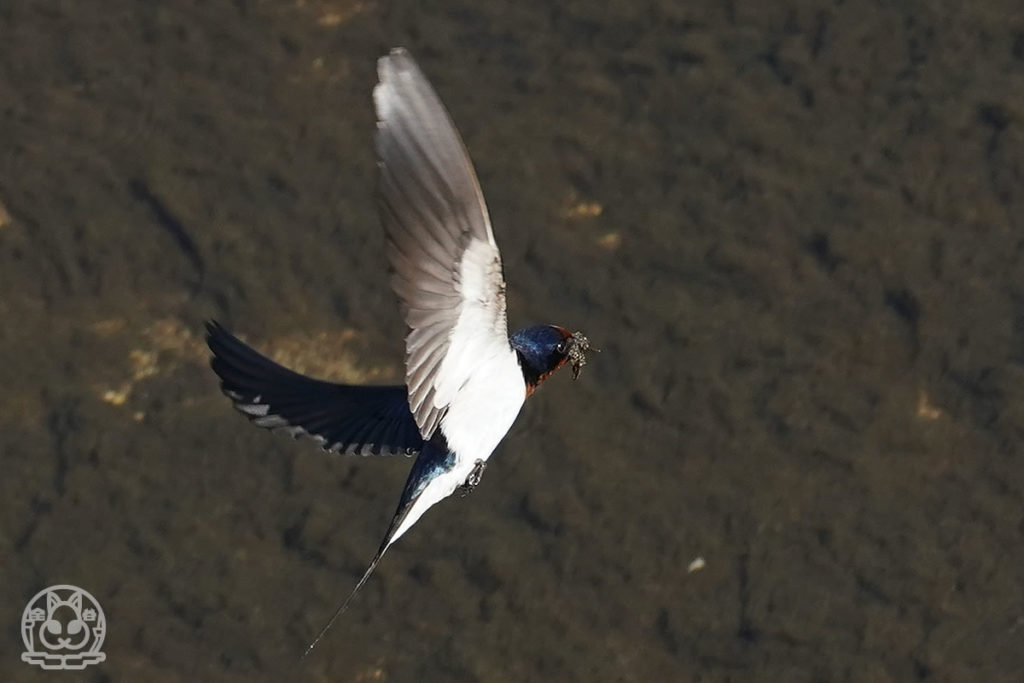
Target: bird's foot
x=474 y=477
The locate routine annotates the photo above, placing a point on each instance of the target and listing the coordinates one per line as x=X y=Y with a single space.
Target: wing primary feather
x=411 y=265
x=432 y=182
x=338 y=416
x=416 y=229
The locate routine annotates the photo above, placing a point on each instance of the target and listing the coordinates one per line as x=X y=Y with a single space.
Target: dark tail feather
x=344 y=605
x=433 y=461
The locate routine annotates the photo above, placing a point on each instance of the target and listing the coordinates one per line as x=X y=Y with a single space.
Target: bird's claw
x=474 y=477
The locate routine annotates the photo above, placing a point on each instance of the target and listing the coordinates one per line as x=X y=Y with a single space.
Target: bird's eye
x=561 y=348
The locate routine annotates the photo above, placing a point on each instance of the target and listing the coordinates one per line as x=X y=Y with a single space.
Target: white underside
x=477 y=420
x=486 y=406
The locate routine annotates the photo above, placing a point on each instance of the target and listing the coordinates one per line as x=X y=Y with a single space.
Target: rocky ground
x=794 y=229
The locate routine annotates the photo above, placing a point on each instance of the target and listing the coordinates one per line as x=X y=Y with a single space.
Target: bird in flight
x=466 y=378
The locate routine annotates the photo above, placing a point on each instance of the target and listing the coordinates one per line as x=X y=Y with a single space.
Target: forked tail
x=344 y=606
x=434 y=461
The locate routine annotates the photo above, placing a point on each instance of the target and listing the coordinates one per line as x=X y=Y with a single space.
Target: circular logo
x=63 y=628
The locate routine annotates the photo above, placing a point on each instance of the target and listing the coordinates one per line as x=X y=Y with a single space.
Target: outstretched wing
x=366 y=420
x=446 y=266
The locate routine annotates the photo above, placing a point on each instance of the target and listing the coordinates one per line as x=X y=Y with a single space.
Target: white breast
x=485 y=407
x=477 y=420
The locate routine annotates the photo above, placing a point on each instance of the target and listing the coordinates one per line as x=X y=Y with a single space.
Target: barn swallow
x=465 y=377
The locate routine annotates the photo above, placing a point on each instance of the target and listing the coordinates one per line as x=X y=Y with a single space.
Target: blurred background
x=793 y=228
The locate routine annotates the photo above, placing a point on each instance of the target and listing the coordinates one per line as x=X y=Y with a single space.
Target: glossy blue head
x=542 y=349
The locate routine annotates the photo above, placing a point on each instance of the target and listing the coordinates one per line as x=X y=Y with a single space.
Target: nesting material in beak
x=576 y=347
